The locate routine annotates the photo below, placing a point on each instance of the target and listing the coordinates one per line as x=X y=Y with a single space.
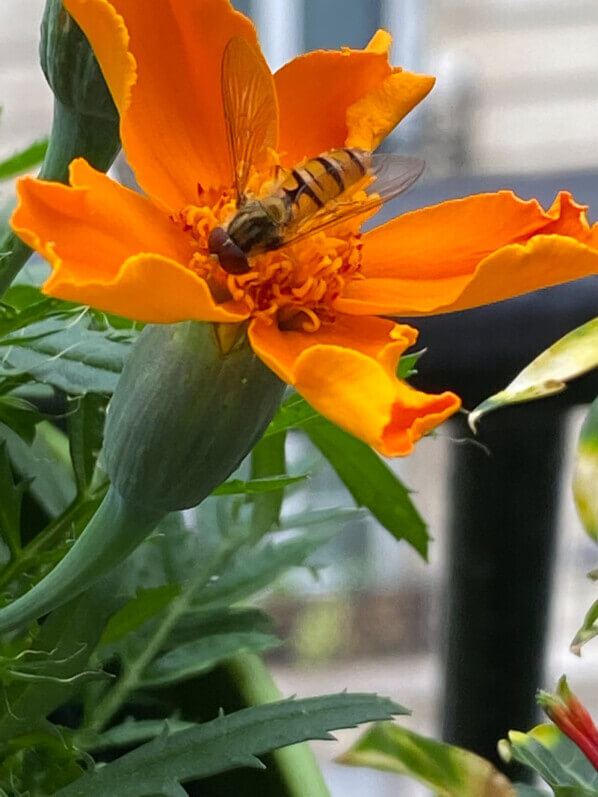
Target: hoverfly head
x=232 y=258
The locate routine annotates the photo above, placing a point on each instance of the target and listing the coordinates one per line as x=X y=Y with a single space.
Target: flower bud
x=85 y=117
x=185 y=413
x=85 y=122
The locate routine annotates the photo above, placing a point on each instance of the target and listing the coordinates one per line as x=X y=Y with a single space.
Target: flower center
x=294 y=287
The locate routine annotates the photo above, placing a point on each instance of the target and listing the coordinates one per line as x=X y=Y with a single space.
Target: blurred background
x=515 y=106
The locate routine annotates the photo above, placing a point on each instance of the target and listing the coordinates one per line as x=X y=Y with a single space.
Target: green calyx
x=185 y=413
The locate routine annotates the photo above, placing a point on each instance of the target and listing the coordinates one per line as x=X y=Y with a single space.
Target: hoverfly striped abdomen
x=313 y=184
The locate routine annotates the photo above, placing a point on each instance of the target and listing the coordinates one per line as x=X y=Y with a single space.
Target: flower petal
x=147 y=287
x=375 y=115
x=172 y=121
x=92 y=233
x=348 y=373
x=316 y=90
x=471 y=251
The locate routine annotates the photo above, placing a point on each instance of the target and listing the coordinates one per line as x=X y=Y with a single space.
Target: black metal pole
x=501 y=549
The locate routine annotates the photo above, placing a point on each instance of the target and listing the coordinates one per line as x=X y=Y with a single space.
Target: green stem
x=178 y=607
x=297 y=766
x=115 y=530
x=73 y=135
x=75 y=516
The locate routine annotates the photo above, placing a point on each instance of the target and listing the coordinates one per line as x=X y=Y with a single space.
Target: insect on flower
x=256 y=186
x=317 y=194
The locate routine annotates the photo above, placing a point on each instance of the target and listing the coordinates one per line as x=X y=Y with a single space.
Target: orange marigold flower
x=311 y=308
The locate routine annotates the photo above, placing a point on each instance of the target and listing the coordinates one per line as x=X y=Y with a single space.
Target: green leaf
x=67 y=639
x=86 y=432
x=267 y=460
x=554 y=757
x=258 y=486
x=587 y=631
x=293 y=413
x=407 y=364
x=143 y=607
x=371 y=483
x=23 y=161
x=571 y=356
x=256 y=568
x=449 y=771
x=11 y=497
x=585 y=473
x=130 y=733
x=228 y=742
x=74 y=359
x=201 y=655
x=45 y=464
x=20 y=416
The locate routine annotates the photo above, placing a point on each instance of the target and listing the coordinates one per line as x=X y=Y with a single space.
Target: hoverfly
x=313 y=196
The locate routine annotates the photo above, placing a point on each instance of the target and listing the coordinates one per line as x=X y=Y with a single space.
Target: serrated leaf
x=258 y=486
x=256 y=568
x=86 y=432
x=68 y=637
x=147 y=604
x=11 y=497
x=74 y=359
x=554 y=757
x=585 y=473
x=202 y=655
x=24 y=160
x=449 y=771
x=570 y=357
x=129 y=733
x=371 y=483
x=293 y=413
x=228 y=742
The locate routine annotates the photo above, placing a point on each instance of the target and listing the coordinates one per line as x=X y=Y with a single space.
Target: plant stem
x=296 y=765
x=179 y=606
x=77 y=514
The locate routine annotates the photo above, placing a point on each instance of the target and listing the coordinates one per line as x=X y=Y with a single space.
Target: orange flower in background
x=310 y=308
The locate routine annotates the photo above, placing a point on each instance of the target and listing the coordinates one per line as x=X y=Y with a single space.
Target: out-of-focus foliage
x=447 y=770
x=572 y=355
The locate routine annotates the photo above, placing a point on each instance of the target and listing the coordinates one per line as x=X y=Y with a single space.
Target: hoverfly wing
x=392 y=175
x=250 y=108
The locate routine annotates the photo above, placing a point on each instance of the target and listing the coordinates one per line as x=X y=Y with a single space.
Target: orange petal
x=172 y=126
x=92 y=234
x=149 y=288
x=348 y=373
x=316 y=90
x=374 y=116
x=471 y=251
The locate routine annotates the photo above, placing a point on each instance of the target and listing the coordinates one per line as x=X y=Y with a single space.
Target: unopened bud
x=185 y=413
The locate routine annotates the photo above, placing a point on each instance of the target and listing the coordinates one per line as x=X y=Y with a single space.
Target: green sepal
x=115 y=530
x=184 y=414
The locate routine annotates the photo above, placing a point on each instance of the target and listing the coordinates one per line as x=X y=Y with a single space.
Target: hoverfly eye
x=232 y=259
